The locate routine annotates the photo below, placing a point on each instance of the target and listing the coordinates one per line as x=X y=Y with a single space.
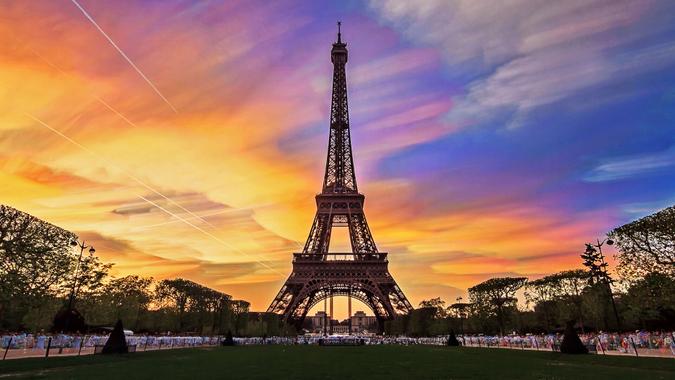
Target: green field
x=365 y=362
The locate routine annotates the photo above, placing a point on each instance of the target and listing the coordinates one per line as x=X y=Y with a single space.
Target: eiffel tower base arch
x=318 y=277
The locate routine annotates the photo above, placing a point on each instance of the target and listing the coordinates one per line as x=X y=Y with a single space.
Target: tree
x=174 y=294
x=542 y=294
x=651 y=301
x=120 y=298
x=647 y=245
x=240 y=313
x=496 y=296
x=37 y=267
x=90 y=276
x=437 y=304
x=35 y=261
x=420 y=321
x=35 y=256
x=561 y=292
x=594 y=260
x=597 y=267
x=37 y=274
x=184 y=295
x=220 y=305
x=460 y=310
x=570 y=286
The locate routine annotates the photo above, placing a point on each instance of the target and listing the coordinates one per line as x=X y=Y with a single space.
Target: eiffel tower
x=362 y=274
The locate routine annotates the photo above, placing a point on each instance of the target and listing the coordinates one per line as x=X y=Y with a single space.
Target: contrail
x=84 y=12
x=214 y=237
x=103 y=102
x=136 y=179
x=118 y=113
x=84 y=148
x=178 y=221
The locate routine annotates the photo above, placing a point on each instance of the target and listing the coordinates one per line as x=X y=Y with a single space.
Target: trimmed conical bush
x=229 y=341
x=571 y=343
x=452 y=339
x=117 y=342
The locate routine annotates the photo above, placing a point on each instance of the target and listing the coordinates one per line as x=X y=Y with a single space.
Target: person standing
x=41 y=341
x=77 y=342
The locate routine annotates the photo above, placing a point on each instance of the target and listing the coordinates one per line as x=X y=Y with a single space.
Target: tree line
x=642 y=296
x=40 y=269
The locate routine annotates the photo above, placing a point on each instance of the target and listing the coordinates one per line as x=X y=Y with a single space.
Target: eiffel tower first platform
x=362 y=274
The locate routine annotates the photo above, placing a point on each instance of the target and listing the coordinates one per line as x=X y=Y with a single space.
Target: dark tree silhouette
x=37 y=266
x=651 y=301
x=598 y=275
x=562 y=289
x=68 y=321
x=188 y=296
x=35 y=256
x=597 y=267
x=436 y=303
x=496 y=296
x=647 y=245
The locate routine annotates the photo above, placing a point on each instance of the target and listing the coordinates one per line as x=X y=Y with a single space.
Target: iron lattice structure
x=362 y=274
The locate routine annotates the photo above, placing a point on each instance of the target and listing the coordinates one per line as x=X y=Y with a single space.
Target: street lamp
x=603 y=268
x=82 y=246
x=461 y=315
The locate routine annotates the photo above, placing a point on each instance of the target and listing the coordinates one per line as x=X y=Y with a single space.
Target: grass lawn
x=365 y=362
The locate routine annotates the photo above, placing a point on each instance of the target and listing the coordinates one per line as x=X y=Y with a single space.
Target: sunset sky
x=188 y=138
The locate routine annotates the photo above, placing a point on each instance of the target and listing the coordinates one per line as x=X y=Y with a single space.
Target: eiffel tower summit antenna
x=339 y=34
x=363 y=273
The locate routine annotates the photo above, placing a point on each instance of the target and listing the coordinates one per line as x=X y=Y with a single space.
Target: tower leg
x=349 y=311
x=330 y=320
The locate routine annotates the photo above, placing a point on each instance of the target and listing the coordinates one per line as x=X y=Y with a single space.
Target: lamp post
x=461 y=315
x=603 y=269
x=82 y=246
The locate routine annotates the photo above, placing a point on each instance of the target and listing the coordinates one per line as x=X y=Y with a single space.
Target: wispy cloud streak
x=632 y=166
x=207 y=233
x=86 y=14
x=98 y=98
x=110 y=164
x=212 y=236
